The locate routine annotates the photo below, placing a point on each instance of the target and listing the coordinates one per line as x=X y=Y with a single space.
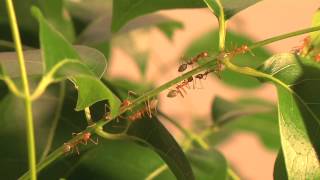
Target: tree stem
x=283 y=36
x=27 y=99
x=222 y=27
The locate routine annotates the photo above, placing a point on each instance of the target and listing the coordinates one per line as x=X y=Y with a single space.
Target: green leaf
x=209 y=42
x=93 y=59
x=109 y=159
x=55 y=49
x=249 y=115
x=209 y=164
x=96 y=31
x=1 y=72
x=280 y=172
x=53 y=10
x=92 y=90
x=59 y=17
x=168 y=28
x=230 y=7
x=13 y=131
x=96 y=35
x=54 y=46
x=154 y=134
x=298 y=113
x=125 y=10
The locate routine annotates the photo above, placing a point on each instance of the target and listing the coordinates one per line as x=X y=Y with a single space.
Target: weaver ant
x=146 y=109
x=299 y=49
x=317 y=57
x=204 y=75
x=193 y=60
x=125 y=103
x=240 y=50
x=179 y=87
x=74 y=145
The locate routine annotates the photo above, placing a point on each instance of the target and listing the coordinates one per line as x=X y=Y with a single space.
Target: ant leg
x=179 y=91
x=85 y=142
x=131 y=93
x=194 y=84
x=250 y=51
x=106 y=115
x=77 y=149
x=149 y=109
x=75 y=134
x=201 y=85
x=93 y=124
x=205 y=77
x=94 y=142
x=185 y=92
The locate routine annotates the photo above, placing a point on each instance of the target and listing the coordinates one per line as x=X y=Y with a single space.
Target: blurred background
x=265 y=19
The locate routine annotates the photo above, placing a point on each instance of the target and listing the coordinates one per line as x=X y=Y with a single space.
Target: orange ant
x=179 y=87
x=147 y=109
x=193 y=60
x=299 y=49
x=203 y=75
x=74 y=145
x=240 y=50
x=317 y=57
x=125 y=103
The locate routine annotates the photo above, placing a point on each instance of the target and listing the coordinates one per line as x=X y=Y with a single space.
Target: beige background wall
x=263 y=20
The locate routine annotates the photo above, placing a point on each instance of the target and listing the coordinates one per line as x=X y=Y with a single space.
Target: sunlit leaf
x=298 y=113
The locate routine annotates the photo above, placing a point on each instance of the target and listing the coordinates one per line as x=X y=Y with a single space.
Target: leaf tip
x=35 y=11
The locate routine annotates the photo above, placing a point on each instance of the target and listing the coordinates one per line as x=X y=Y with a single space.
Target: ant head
x=199 y=76
x=190 y=78
x=205 y=54
x=182 y=67
x=245 y=48
x=125 y=103
x=86 y=136
x=306 y=39
x=172 y=93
